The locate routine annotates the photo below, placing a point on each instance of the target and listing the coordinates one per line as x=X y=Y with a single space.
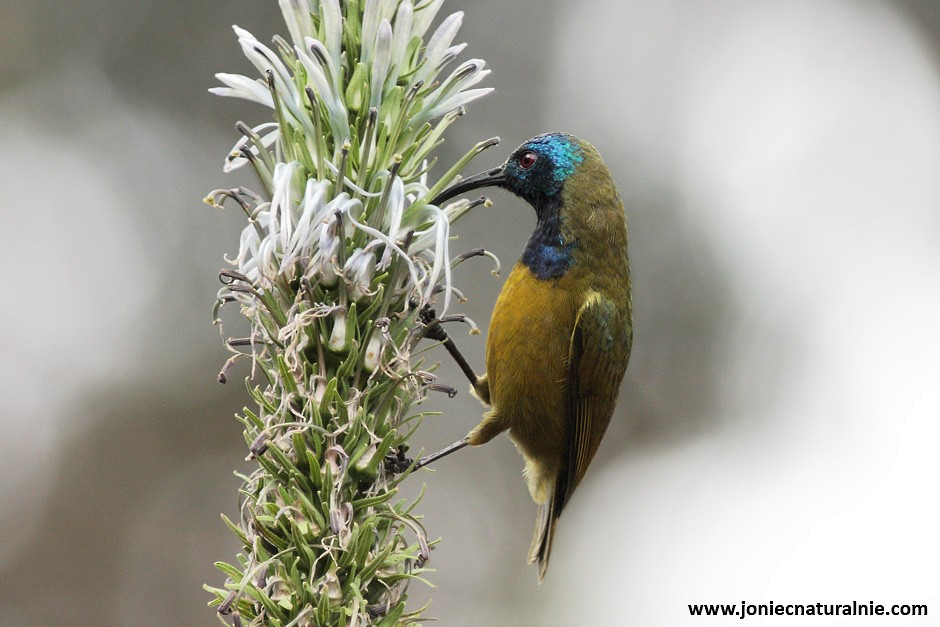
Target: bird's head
x=536 y=171
x=577 y=204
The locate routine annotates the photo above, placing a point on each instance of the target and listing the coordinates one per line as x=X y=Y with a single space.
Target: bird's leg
x=444 y=452
x=397 y=462
x=434 y=331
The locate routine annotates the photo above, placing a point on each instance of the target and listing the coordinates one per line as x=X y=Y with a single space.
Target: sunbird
x=561 y=332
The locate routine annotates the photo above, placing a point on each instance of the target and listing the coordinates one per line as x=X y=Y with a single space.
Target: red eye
x=527 y=160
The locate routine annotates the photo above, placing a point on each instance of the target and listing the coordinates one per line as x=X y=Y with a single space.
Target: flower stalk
x=341 y=252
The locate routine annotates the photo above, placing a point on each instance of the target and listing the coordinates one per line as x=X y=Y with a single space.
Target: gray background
x=777 y=430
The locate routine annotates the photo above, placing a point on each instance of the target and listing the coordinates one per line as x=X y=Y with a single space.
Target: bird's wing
x=597 y=359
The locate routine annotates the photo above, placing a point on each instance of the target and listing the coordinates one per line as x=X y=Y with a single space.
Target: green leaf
x=369 y=570
x=391 y=619
x=287 y=377
x=230 y=571
x=372 y=501
x=238 y=531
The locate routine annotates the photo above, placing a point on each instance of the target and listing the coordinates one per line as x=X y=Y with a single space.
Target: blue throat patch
x=547 y=255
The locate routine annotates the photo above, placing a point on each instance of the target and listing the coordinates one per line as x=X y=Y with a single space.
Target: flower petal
x=454 y=102
x=438 y=45
x=332 y=23
x=424 y=15
x=297 y=16
x=243 y=87
x=381 y=63
x=403 y=23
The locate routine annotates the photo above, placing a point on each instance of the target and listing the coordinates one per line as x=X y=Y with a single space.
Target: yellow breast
x=526 y=355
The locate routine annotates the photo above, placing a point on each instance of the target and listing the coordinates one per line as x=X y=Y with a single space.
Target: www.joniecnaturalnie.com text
x=744 y=609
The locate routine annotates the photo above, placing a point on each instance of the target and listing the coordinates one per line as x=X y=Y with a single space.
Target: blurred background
x=776 y=438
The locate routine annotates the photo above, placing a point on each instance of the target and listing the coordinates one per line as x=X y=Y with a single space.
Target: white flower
x=404 y=21
x=338 y=337
x=267 y=62
x=375 y=12
x=382 y=63
x=332 y=17
x=235 y=160
x=393 y=217
x=373 y=351
x=319 y=77
x=243 y=87
x=297 y=16
x=359 y=272
x=439 y=50
x=424 y=15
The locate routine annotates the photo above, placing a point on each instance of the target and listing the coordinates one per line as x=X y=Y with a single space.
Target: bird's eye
x=527 y=160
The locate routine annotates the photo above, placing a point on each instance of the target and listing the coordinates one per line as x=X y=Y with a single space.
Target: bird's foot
x=432 y=326
x=396 y=463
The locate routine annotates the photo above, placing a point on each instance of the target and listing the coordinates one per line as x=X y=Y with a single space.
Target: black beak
x=491 y=178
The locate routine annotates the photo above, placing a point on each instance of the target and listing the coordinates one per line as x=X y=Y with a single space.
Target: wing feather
x=597 y=359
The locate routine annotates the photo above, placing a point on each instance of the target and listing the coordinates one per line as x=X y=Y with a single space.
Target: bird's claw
x=432 y=327
x=396 y=462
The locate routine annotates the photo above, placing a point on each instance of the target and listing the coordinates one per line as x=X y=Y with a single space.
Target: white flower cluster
x=358 y=107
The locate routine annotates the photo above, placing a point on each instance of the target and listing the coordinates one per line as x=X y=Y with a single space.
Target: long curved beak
x=491 y=178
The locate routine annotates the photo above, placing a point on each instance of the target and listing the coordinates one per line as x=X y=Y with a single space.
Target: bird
x=561 y=331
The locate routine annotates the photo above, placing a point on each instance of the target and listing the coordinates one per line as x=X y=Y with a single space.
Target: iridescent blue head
x=537 y=172
x=538 y=169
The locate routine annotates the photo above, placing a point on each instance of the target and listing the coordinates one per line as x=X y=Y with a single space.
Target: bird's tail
x=541 y=547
